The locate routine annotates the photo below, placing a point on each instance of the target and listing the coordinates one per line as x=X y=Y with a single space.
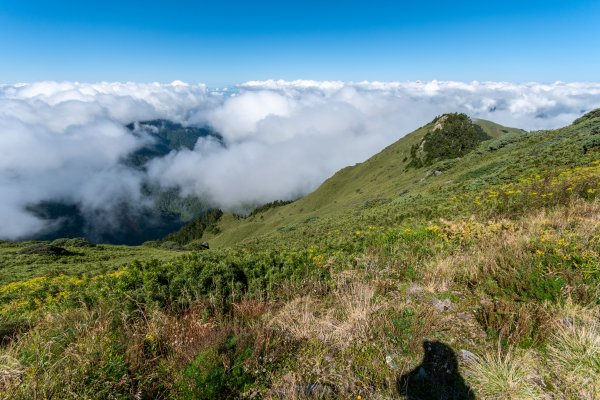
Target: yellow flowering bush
x=536 y=190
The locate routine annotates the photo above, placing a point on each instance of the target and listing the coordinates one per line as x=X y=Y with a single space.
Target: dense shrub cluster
x=195 y=229
x=268 y=206
x=453 y=135
x=587 y=117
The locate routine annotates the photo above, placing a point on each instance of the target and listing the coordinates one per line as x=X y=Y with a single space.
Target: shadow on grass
x=436 y=378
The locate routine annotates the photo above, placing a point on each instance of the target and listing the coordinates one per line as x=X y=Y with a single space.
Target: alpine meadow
x=426 y=227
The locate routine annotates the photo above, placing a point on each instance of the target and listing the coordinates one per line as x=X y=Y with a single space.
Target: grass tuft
x=510 y=376
x=574 y=355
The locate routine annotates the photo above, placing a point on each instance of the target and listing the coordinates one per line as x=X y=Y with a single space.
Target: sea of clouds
x=65 y=141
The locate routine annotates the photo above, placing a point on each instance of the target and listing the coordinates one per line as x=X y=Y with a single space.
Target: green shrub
x=46 y=249
x=217 y=373
x=73 y=242
x=453 y=135
x=195 y=229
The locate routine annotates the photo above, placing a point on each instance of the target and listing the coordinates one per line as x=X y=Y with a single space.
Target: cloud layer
x=65 y=141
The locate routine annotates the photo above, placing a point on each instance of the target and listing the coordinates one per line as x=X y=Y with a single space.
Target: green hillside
x=474 y=276
x=384 y=178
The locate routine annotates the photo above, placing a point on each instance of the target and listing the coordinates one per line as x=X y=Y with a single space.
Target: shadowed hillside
x=166 y=136
x=161 y=211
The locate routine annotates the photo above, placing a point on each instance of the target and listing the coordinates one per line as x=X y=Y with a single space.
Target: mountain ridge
x=375 y=285
x=381 y=177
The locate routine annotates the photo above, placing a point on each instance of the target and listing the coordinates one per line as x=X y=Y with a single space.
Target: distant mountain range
x=168 y=212
x=166 y=136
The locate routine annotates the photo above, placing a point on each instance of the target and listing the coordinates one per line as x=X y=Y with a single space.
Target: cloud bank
x=64 y=141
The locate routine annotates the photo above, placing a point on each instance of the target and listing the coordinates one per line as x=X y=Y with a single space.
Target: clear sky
x=226 y=42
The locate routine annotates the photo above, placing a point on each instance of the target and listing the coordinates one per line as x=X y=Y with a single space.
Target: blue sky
x=226 y=42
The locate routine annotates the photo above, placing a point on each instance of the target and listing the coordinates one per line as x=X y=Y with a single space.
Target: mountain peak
x=452 y=135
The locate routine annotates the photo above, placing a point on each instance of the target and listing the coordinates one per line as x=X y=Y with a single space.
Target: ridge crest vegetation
x=452 y=136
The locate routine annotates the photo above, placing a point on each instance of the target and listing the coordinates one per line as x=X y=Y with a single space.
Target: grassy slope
x=336 y=293
x=379 y=179
x=86 y=260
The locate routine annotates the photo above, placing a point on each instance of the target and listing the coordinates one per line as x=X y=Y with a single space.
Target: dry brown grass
x=176 y=339
x=516 y=322
x=11 y=373
x=574 y=352
x=570 y=369
x=505 y=376
x=341 y=321
x=81 y=337
x=332 y=333
x=343 y=340
x=502 y=244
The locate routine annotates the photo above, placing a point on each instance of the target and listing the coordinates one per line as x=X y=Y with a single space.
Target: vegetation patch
x=588 y=116
x=207 y=222
x=488 y=270
x=45 y=249
x=452 y=136
x=268 y=206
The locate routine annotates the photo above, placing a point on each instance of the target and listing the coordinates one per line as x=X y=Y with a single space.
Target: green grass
x=88 y=261
x=336 y=292
x=343 y=200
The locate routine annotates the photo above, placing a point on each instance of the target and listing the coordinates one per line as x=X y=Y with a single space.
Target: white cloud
x=64 y=140
x=238 y=116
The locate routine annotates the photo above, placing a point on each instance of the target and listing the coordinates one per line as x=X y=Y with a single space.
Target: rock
x=314 y=390
x=414 y=289
x=389 y=360
x=566 y=322
x=437 y=173
x=467 y=357
x=442 y=305
x=464 y=316
x=195 y=245
x=168 y=244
